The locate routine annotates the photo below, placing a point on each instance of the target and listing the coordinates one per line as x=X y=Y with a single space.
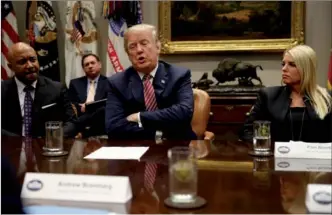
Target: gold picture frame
x=199 y=46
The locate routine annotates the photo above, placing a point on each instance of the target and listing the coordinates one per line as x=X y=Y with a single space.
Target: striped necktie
x=150 y=174
x=149 y=95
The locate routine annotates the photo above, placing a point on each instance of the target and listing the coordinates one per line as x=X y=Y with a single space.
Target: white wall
x=318 y=34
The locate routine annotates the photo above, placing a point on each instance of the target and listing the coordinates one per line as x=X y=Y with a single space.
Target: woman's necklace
x=292 y=126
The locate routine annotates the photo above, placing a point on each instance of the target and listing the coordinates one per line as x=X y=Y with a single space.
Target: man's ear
x=158 y=46
x=9 y=65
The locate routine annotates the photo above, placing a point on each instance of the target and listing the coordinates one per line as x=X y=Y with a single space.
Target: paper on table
x=118 y=153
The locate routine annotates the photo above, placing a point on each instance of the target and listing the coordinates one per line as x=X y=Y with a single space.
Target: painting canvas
x=227 y=25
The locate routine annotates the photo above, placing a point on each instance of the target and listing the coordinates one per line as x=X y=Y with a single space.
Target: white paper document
x=118 y=153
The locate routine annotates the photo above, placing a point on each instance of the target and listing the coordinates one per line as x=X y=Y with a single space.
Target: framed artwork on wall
x=205 y=26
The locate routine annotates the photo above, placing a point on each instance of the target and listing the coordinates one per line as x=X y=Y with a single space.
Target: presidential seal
x=41 y=23
x=41 y=32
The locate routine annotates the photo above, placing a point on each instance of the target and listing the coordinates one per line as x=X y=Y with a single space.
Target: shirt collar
x=153 y=73
x=96 y=79
x=21 y=85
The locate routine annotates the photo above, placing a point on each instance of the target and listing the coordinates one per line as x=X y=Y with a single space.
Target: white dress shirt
x=21 y=96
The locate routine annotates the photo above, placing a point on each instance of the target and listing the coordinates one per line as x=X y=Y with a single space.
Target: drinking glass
x=262 y=137
x=54 y=137
x=182 y=174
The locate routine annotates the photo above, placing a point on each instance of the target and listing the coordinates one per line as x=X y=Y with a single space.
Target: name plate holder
x=112 y=193
x=302 y=165
x=319 y=198
x=298 y=149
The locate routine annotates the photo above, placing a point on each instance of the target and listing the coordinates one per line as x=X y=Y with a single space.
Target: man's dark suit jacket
x=175 y=102
x=273 y=104
x=78 y=95
x=47 y=92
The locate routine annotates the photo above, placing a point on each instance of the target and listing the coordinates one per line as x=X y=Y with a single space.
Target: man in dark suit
x=29 y=100
x=152 y=99
x=90 y=88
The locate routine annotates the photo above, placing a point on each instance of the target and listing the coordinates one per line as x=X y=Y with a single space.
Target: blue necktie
x=27 y=119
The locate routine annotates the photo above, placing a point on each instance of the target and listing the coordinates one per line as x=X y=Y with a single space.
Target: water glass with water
x=54 y=137
x=262 y=137
x=182 y=174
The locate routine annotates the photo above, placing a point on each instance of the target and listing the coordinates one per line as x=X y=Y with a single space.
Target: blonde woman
x=300 y=110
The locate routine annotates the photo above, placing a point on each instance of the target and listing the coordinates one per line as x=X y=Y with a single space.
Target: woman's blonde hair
x=306 y=61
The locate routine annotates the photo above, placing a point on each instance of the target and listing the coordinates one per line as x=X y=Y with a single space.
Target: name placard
x=303 y=150
x=302 y=165
x=319 y=198
x=86 y=188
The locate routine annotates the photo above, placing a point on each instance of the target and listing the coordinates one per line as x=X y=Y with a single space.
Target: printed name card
x=89 y=188
x=319 y=198
x=302 y=165
x=303 y=150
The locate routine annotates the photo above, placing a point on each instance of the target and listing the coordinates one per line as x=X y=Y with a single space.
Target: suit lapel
x=83 y=89
x=310 y=110
x=160 y=81
x=283 y=106
x=100 y=86
x=40 y=94
x=14 y=100
x=136 y=86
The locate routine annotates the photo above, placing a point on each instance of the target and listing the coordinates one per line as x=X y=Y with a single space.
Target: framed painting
x=206 y=26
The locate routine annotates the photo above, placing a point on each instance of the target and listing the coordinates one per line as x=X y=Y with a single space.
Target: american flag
x=78 y=32
x=9 y=35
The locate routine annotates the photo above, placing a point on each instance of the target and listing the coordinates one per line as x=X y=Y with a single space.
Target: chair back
x=202 y=106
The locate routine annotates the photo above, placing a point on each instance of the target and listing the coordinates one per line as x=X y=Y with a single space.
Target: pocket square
x=47 y=106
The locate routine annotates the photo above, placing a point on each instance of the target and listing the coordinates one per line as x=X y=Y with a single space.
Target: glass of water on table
x=183 y=179
x=262 y=138
x=54 y=139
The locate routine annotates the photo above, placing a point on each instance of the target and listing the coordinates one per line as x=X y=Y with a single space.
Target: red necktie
x=149 y=96
x=150 y=174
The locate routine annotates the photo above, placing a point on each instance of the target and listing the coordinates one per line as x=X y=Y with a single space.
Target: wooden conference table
x=228 y=178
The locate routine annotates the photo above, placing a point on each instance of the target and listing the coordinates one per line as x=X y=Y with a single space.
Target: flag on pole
x=41 y=33
x=9 y=36
x=81 y=36
x=78 y=32
x=329 y=75
x=120 y=15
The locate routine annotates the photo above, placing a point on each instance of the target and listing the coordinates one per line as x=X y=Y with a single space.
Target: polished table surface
x=228 y=178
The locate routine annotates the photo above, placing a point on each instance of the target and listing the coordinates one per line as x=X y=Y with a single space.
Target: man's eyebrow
x=21 y=58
